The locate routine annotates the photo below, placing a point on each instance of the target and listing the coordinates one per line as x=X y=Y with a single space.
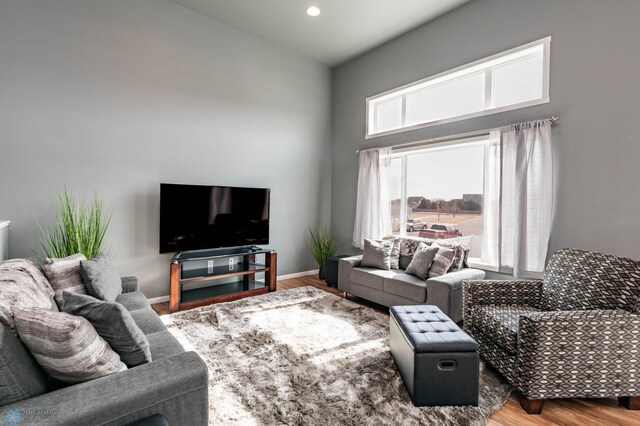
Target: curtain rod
x=553 y=119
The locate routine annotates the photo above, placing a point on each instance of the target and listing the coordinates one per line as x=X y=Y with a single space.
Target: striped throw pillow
x=22 y=285
x=442 y=261
x=66 y=346
x=64 y=274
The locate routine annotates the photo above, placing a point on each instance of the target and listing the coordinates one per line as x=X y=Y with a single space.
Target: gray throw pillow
x=114 y=324
x=377 y=255
x=66 y=346
x=101 y=278
x=442 y=261
x=20 y=375
x=421 y=262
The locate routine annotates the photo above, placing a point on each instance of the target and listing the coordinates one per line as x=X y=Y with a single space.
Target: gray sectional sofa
x=173 y=385
x=396 y=288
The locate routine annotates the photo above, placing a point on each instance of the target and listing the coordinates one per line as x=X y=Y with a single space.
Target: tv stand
x=220 y=283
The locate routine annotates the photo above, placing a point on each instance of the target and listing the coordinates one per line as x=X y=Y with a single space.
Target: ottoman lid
x=430 y=330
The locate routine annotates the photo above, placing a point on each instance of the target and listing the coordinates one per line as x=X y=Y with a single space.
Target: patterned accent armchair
x=575 y=334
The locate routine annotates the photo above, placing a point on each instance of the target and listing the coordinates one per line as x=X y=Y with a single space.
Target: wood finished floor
x=605 y=412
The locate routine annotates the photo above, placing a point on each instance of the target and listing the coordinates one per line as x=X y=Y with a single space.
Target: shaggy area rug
x=305 y=356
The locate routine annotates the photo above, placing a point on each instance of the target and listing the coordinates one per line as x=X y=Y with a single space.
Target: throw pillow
x=408 y=245
x=101 y=278
x=20 y=375
x=442 y=261
x=67 y=347
x=377 y=255
x=395 y=251
x=23 y=286
x=461 y=252
x=114 y=324
x=64 y=274
x=422 y=259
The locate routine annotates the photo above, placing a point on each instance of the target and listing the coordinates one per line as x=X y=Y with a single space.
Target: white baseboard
x=298 y=274
x=163 y=299
x=160 y=299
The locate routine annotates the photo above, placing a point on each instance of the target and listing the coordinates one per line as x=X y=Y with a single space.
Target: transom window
x=509 y=80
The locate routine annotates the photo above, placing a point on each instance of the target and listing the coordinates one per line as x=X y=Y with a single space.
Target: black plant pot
x=321 y=273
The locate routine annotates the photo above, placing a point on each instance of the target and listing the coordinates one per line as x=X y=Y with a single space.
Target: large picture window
x=448 y=191
x=513 y=79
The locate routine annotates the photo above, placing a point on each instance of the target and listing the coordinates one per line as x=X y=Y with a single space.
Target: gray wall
x=594 y=89
x=114 y=97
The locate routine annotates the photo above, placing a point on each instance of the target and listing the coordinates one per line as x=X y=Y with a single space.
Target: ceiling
x=344 y=29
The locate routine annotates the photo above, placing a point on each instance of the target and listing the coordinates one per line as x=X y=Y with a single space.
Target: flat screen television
x=197 y=217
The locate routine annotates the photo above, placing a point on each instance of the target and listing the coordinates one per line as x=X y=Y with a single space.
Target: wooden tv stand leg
x=174 y=297
x=272 y=275
x=249 y=260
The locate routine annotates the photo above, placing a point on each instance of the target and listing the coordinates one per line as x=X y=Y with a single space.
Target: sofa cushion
x=421 y=262
x=101 y=278
x=64 y=274
x=462 y=253
x=163 y=345
x=66 y=346
x=148 y=321
x=377 y=254
x=372 y=277
x=409 y=245
x=404 y=262
x=442 y=261
x=500 y=323
x=395 y=251
x=20 y=375
x=133 y=301
x=407 y=286
x=23 y=286
x=581 y=280
x=114 y=324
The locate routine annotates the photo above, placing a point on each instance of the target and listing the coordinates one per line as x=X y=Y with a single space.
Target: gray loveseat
x=173 y=385
x=396 y=288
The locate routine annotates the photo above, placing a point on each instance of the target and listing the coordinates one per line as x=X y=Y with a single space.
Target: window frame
x=476 y=138
x=402 y=91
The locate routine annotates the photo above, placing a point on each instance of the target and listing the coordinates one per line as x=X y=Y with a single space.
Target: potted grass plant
x=79 y=226
x=323 y=246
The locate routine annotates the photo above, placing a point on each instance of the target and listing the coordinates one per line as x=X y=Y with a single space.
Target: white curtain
x=490 y=252
x=527 y=198
x=373 y=216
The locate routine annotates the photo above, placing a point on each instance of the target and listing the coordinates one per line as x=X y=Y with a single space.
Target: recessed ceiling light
x=313 y=11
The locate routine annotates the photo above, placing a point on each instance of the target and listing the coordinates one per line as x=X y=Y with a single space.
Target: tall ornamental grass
x=79 y=226
x=323 y=246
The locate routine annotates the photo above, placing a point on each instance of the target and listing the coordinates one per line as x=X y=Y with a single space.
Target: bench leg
x=630 y=402
x=531 y=406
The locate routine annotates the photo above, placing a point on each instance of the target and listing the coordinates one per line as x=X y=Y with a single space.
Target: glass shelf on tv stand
x=219 y=272
x=219 y=253
x=220 y=283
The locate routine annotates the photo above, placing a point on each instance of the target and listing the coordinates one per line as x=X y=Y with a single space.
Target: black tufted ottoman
x=438 y=361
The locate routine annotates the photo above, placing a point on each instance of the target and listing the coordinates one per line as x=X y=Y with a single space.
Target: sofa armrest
x=558 y=349
x=175 y=387
x=129 y=284
x=500 y=292
x=445 y=291
x=345 y=265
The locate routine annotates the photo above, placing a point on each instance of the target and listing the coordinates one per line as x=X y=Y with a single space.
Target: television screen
x=195 y=217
